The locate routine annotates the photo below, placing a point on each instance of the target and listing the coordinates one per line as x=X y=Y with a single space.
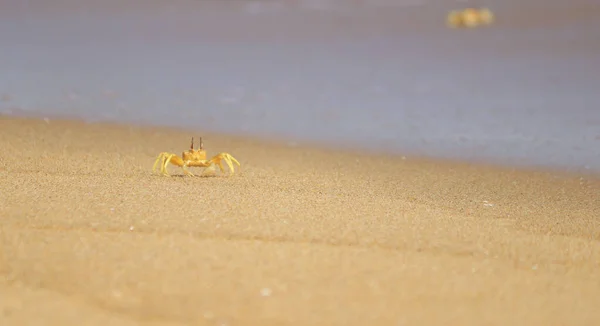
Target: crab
x=470 y=17
x=194 y=158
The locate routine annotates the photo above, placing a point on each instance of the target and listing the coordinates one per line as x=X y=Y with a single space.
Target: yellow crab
x=470 y=18
x=194 y=158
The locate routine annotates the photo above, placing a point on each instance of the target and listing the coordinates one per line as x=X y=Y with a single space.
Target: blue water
x=388 y=76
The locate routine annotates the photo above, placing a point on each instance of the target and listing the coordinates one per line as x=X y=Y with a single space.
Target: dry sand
x=301 y=236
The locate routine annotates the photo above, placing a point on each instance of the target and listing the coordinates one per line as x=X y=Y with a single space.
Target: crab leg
x=173 y=159
x=229 y=160
x=162 y=158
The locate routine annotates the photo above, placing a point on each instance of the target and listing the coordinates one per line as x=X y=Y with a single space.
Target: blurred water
x=379 y=74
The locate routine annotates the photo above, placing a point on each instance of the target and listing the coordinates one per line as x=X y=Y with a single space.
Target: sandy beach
x=299 y=236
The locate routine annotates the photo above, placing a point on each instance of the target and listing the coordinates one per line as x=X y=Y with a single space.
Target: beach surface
x=300 y=235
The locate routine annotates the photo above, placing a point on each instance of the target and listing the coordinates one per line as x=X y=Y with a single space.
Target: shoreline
x=326 y=146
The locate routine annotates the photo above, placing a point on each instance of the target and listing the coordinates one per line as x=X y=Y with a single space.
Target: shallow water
x=379 y=74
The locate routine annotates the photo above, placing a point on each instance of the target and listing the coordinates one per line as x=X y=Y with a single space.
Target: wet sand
x=300 y=235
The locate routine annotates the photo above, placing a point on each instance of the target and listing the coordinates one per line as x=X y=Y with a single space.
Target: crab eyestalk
x=192 y=145
x=201 y=144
